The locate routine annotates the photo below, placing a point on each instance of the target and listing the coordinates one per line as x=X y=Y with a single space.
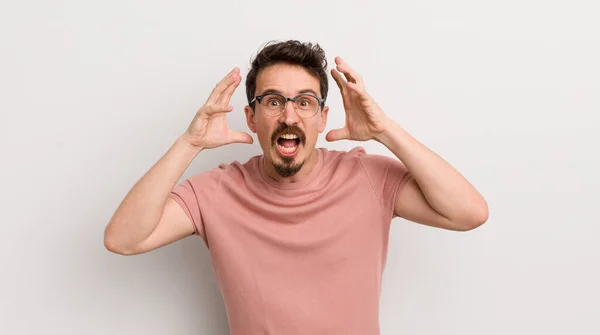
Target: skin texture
x=437 y=194
x=147 y=218
x=290 y=80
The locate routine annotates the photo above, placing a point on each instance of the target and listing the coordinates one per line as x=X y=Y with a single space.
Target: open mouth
x=288 y=144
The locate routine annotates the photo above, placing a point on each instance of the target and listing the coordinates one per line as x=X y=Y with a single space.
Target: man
x=298 y=235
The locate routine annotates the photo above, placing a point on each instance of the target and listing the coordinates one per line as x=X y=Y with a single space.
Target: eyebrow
x=306 y=90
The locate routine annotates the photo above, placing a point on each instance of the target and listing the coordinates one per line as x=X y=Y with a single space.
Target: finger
x=225 y=96
x=215 y=109
x=239 y=137
x=222 y=85
x=341 y=83
x=349 y=73
x=338 y=134
x=362 y=93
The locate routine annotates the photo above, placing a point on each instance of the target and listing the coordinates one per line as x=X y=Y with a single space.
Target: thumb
x=239 y=137
x=338 y=134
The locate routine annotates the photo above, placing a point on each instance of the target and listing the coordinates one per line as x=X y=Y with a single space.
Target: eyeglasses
x=273 y=104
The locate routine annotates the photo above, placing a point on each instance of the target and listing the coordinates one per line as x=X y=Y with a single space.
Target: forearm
x=141 y=210
x=444 y=188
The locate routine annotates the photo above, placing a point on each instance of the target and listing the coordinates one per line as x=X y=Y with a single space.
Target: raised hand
x=209 y=127
x=364 y=119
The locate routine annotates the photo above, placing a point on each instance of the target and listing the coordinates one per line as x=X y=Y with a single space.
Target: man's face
x=287 y=140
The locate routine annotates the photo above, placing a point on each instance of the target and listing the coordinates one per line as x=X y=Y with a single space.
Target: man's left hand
x=364 y=119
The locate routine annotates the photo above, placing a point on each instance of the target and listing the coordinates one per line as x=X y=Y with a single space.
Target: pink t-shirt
x=298 y=258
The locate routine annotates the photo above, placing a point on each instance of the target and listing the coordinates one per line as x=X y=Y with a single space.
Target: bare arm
x=437 y=195
x=147 y=218
x=131 y=228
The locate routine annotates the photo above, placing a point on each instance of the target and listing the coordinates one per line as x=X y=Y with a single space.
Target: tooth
x=287 y=150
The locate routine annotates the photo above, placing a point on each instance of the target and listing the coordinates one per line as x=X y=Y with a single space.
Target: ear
x=323 y=119
x=250 y=118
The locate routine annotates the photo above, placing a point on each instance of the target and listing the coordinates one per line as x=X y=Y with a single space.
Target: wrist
x=386 y=137
x=183 y=142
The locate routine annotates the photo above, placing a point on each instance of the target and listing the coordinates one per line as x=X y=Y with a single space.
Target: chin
x=287 y=162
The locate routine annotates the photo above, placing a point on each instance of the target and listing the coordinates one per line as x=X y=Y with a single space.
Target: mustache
x=285 y=129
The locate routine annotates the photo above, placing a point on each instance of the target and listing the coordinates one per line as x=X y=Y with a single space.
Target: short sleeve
x=195 y=195
x=387 y=177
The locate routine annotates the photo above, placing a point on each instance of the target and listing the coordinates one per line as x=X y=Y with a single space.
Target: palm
x=209 y=128
x=217 y=130
x=211 y=132
x=364 y=119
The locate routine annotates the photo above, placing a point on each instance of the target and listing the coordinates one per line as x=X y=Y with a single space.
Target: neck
x=309 y=165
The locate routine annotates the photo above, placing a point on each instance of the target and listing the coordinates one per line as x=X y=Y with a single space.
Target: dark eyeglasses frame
x=260 y=97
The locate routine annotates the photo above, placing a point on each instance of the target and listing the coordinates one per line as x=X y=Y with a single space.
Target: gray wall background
x=93 y=94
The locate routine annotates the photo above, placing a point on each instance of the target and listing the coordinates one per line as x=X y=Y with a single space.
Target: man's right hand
x=209 y=127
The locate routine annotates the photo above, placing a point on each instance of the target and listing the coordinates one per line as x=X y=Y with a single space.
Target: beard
x=287 y=168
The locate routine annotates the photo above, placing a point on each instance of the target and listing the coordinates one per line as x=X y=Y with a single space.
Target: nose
x=289 y=115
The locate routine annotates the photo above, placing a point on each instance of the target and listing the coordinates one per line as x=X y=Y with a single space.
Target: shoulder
x=374 y=166
x=206 y=180
x=350 y=164
x=335 y=157
x=237 y=171
x=376 y=161
x=357 y=155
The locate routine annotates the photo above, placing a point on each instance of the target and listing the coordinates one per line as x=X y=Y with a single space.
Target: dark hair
x=310 y=56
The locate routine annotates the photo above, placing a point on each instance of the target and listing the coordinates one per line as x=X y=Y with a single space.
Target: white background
x=92 y=94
